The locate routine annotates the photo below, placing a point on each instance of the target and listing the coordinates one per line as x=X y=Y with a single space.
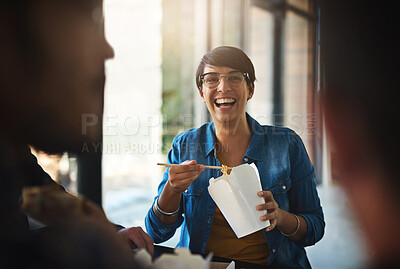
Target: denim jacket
x=285 y=170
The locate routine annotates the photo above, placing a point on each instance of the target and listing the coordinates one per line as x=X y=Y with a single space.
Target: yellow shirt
x=224 y=243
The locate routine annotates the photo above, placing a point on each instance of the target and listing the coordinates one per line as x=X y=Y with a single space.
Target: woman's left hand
x=272 y=208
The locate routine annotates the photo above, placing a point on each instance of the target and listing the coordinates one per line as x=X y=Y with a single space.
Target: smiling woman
x=230 y=95
x=233 y=138
x=225 y=100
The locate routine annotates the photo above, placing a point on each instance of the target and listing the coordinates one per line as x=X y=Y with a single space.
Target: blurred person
x=51 y=76
x=360 y=97
x=225 y=80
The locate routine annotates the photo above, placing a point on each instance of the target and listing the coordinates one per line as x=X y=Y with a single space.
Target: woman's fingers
x=270 y=203
x=184 y=178
x=270 y=216
x=267 y=195
x=182 y=185
x=185 y=171
x=185 y=168
x=180 y=177
x=272 y=208
x=268 y=206
x=272 y=225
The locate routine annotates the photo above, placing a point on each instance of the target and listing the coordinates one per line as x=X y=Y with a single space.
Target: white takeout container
x=238 y=199
x=182 y=258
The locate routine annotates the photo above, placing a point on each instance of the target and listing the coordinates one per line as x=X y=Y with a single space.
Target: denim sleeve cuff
x=161 y=230
x=309 y=237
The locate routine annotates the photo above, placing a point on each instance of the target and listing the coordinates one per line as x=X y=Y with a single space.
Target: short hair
x=359 y=65
x=230 y=57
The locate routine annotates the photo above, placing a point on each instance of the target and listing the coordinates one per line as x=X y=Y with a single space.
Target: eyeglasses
x=234 y=78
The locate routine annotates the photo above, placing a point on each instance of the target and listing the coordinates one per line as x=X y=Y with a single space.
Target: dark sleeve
x=35 y=175
x=40 y=177
x=118 y=227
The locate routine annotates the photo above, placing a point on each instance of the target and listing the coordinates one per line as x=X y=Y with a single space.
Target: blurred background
x=151 y=96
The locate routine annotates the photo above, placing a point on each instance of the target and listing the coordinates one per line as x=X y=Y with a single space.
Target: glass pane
x=225 y=22
x=62 y=168
x=231 y=23
x=260 y=52
x=304 y=5
x=178 y=86
x=132 y=118
x=298 y=76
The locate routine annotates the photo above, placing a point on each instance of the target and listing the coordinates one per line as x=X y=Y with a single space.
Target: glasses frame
x=245 y=76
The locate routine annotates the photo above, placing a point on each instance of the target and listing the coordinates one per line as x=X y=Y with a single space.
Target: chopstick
x=206 y=166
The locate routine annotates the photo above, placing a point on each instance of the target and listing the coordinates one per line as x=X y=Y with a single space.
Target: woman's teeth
x=224 y=101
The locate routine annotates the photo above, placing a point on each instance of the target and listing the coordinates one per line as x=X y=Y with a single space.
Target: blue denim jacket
x=285 y=170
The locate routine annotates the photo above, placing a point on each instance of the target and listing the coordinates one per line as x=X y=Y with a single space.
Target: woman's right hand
x=180 y=177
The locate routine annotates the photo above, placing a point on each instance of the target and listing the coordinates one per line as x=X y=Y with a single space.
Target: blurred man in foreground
x=359 y=64
x=51 y=75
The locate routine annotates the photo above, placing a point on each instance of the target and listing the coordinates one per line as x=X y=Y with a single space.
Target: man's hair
x=227 y=56
x=359 y=65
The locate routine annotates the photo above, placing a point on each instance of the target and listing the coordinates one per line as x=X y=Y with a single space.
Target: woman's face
x=225 y=102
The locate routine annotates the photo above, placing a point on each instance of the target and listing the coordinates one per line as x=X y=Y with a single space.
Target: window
x=132 y=121
x=261 y=52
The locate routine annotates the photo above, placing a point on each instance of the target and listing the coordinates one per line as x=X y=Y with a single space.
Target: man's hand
x=139 y=238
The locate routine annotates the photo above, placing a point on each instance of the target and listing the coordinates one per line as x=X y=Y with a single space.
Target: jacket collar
x=256 y=146
x=255 y=149
x=210 y=139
